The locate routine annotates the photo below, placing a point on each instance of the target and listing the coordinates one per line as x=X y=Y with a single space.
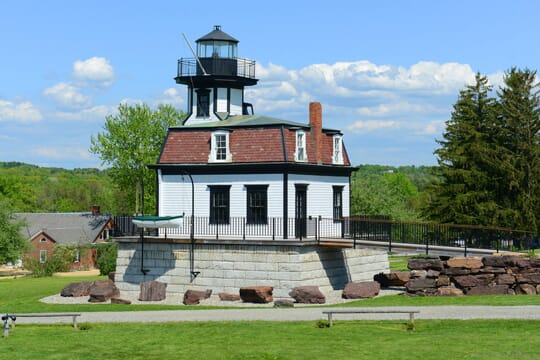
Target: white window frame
x=213 y=157
x=42 y=256
x=337 y=151
x=300 y=153
x=77 y=258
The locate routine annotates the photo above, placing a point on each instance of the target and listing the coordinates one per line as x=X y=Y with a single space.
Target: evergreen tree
x=463 y=194
x=518 y=150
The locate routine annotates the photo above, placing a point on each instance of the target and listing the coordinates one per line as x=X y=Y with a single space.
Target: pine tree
x=464 y=193
x=518 y=150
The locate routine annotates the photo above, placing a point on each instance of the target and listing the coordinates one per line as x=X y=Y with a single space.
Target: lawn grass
x=433 y=339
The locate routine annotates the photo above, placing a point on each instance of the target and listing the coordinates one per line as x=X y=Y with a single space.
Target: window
x=42 y=240
x=257 y=204
x=338 y=202
x=337 y=157
x=300 y=154
x=219 y=204
x=77 y=257
x=203 y=103
x=42 y=256
x=220 y=147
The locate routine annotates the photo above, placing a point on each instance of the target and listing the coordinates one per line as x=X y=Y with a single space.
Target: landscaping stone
x=228 y=297
x=488 y=290
x=394 y=278
x=152 y=291
x=283 y=303
x=505 y=279
x=194 y=297
x=420 y=284
x=456 y=271
x=77 y=289
x=361 y=290
x=449 y=291
x=467 y=281
x=120 y=301
x=425 y=264
x=308 y=295
x=257 y=294
x=103 y=291
x=526 y=289
x=465 y=262
x=494 y=261
x=530 y=278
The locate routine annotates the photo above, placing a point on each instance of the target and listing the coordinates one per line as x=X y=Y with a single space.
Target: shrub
x=106 y=257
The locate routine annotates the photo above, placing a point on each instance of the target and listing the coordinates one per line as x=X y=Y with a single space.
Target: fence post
x=273 y=228
x=244 y=229
x=427 y=240
x=390 y=239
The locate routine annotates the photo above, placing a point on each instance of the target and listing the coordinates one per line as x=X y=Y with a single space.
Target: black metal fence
x=355 y=229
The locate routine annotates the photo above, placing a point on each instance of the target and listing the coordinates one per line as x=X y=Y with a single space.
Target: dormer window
x=337 y=157
x=300 y=153
x=220 y=147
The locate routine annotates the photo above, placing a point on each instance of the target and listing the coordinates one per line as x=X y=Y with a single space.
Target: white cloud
x=96 y=70
x=95 y=113
x=62 y=153
x=172 y=96
x=23 y=112
x=67 y=96
x=373 y=125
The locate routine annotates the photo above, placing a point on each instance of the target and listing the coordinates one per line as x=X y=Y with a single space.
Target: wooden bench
x=331 y=312
x=74 y=316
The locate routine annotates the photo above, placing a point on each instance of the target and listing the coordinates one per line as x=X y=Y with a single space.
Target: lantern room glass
x=214 y=48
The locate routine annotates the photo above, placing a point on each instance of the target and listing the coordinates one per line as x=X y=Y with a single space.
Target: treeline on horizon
x=375 y=190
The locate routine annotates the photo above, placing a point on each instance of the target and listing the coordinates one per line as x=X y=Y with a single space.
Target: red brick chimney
x=315 y=121
x=95 y=210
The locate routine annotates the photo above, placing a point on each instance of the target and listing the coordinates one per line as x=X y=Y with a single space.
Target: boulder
x=284 y=303
x=102 y=291
x=193 y=297
x=528 y=278
x=257 y=294
x=425 y=264
x=394 y=278
x=516 y=261
x=494 y=261
x=417 y=274
x=153 y=291
x=120 y=301
x=228 y=297
x=420 y=284
x=456 y=271
x=526 y=289
x=465 y=262
x=361 y=290
x=488 y=290
x=443 y=280
x=505 y=279
x=449 y=291
x=467 y=281
x=77 y=289
x=308 y=295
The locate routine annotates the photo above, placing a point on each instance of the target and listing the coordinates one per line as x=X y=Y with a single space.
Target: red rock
x=362 y=290
x=425 y=264
x=257 y=294
x=308 y=295
x=394 y=278
x=102 y=291
x=77 y=289
x=526 y=289
x=465 y=262
x=505 y=279
x=153 y=291
x=228 y=297
x=449 y=291
x=488 y=290
x=193 y=297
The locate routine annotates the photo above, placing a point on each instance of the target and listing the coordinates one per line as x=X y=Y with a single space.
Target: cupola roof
x=217 y=35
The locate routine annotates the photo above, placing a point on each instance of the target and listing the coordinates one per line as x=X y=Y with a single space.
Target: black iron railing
x=217 y=66
x=355 y=229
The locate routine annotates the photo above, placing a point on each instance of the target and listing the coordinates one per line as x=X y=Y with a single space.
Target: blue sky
x=386 y=72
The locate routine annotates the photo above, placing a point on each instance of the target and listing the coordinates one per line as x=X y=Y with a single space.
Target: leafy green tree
x=518 y=149
x=12 y=243
x=131 y=140
x=463 y=194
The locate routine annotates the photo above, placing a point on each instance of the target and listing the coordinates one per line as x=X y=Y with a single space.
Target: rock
x=111 y=275
x=515 y=261
x=415 y=274
x=153 y=291
x=529 y=278
x=443 y=280
x=425 y=264
x=456 y=271
x=193 y=297
x=102 y=291
x=308 y=295
x=228 y=297
x=488 y=290
x=525 y=289
x=394 y=278
x=505 y=279
x=494 y=261
x=432 y=273
x=465 y=262
x=77 y=289
x=283 y=303
x=535 y=262
x=494 y=270
x=120 y=301
x=467 y=281
x=257 y=294
x=361 y=290
x=420 y=284
x=449 y=291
